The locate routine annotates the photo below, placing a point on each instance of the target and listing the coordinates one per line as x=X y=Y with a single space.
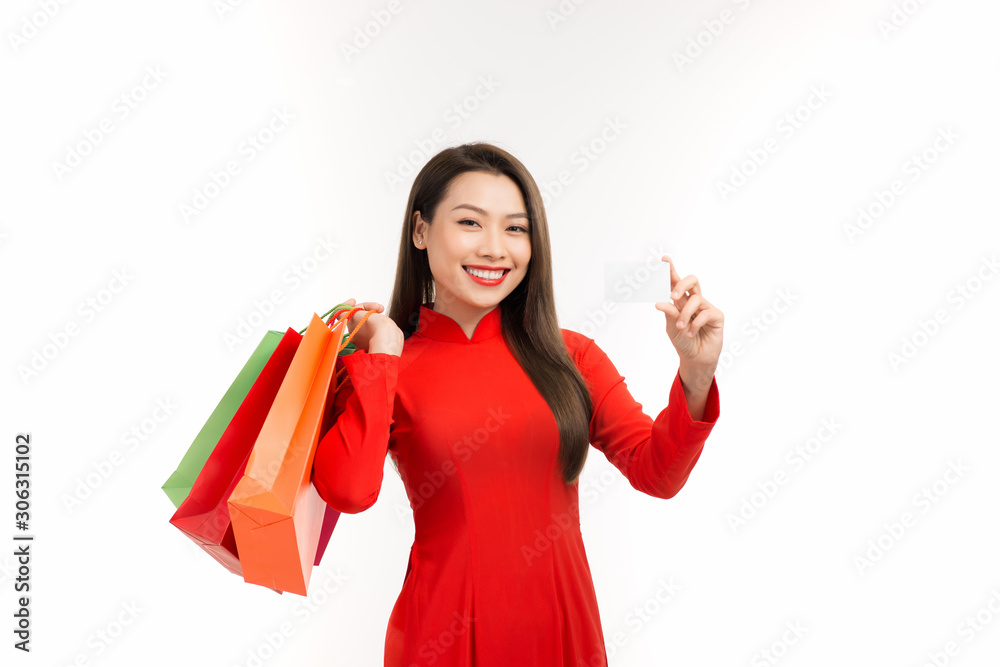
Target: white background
x=819 y=311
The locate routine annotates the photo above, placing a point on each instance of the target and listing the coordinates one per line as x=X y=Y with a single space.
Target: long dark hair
x=528 y=314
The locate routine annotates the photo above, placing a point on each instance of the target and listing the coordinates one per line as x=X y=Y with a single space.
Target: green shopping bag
x=178 y=485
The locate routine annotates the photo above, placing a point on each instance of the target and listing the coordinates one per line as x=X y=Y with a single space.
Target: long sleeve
x=656 y=456
x=350 y=457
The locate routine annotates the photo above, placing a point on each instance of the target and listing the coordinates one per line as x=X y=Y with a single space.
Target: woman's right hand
x=379 y=333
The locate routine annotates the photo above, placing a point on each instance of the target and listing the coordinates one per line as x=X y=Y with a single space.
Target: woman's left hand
x=693 y=324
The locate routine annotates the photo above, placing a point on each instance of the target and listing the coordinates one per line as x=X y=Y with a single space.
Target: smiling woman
x=487 y=408
x=471 y=245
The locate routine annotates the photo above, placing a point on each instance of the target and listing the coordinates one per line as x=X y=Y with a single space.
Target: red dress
x=497 y=574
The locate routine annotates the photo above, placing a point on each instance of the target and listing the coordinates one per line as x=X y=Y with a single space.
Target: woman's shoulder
x=592 y=361
x=577 y=344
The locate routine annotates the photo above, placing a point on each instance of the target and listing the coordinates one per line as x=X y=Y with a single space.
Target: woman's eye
x=517 y=227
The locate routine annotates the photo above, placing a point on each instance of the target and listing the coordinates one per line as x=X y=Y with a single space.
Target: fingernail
x=675 y=294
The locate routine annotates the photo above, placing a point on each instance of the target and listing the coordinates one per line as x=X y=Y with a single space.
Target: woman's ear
x=419 y=228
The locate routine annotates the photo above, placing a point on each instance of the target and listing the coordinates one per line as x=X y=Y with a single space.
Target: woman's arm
x=656 y=456
x=347 y=469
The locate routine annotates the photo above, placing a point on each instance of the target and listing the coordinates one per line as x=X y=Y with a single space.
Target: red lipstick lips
x=485 y=281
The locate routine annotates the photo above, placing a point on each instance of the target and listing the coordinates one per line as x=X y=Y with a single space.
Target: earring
x=420 y=241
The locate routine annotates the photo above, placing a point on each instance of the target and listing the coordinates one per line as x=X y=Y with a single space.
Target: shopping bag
x=204 y=514
x=329 y=522
x=277 y=513
x=179 y=484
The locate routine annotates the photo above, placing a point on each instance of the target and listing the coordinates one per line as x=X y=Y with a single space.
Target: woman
x=488 y=409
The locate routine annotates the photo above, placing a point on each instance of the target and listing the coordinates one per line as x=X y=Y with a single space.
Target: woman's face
x=481 y=222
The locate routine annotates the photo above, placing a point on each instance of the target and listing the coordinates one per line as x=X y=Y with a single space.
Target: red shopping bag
x=204 y=514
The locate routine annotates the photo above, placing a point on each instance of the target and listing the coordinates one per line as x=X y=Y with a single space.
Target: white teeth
x=488 y=275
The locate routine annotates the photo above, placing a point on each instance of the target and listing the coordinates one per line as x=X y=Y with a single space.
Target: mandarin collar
x=437 y=326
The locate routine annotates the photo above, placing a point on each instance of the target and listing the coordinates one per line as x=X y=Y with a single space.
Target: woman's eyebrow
x=484 y=213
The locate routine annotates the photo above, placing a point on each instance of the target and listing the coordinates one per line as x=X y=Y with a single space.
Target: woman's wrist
x=697 y=379
x=384 y=346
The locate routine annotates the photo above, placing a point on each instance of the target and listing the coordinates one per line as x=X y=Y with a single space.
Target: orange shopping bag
x=276 y=512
